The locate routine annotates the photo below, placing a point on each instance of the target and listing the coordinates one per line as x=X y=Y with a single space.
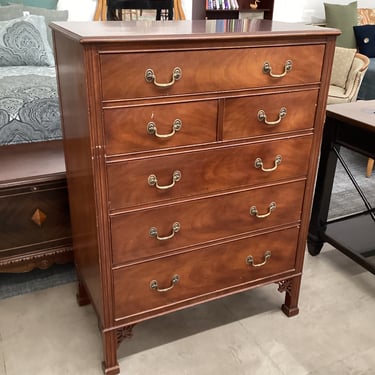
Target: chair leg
x=370 y=166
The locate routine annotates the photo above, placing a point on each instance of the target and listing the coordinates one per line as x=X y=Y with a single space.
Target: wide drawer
x=206 y=171
x=151 y=232
x=152 y=127
x=123 y=74
x=34 y=216
x=269 y=114
x=139 y=288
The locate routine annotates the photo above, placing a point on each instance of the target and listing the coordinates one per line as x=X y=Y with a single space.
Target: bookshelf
x=200 y=10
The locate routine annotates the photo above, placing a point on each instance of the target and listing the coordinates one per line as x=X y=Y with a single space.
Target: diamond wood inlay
x=39 y=217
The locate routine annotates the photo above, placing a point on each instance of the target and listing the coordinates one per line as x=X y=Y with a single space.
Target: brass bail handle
x=153 y=181
x=250 y=260
x=152 y=129
x=254 y=211
x=262 y=117
x=155 y=286
x=150 y=77
x=175 y=228
x=267 y=69
x=259 y=164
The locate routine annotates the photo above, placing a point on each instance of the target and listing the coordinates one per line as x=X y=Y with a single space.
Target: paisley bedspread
x=29 y=107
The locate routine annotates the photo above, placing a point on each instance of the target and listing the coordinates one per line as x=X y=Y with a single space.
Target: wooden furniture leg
x=110 y=364
x=370 y=167
x=100 y=11
x=104 y=11
x=291 y=288
x=178 y=10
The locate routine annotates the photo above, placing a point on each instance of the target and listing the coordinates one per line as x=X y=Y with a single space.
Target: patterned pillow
x=342 y=62
x=17 y=10
x=23 y=41
x=366 y=16
x=49 y=16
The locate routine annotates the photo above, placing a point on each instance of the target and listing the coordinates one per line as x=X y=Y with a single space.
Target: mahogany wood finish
x=224 y=225
x=200 y=273
x=35 y=225
x=212 y=170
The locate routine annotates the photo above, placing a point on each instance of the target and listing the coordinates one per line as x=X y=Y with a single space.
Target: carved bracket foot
x=291 y=289
x=110 y=370
x=285 y=286
x=82 y=297
x=124 y=333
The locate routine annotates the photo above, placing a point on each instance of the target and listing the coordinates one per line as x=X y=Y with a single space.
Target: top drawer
x=124 y=74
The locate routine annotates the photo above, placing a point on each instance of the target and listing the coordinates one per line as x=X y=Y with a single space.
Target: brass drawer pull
x=153 y=181
x=250 y=260
x=267 y=69
x=154 y=284
x=150 y=77
x=254 y=211
x=262 y=117
x=152 y=129
x=259 y=164
x=175 y=228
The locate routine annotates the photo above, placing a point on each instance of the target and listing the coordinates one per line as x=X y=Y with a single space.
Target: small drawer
x=152 y=127
x=269 y=114
x=34 y=216
x=194 y=72
x=130 y=183
x=151 y=232
x=138 y=289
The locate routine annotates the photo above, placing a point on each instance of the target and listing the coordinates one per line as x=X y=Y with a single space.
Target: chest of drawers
x=35 y=228
x=191 y=159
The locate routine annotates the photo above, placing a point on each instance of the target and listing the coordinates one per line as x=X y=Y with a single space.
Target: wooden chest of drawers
x=35 y=226
x=191 y=158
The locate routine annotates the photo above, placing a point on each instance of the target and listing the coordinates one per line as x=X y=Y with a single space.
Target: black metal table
x=351 y=125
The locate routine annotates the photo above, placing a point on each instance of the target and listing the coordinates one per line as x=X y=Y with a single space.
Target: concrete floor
x=46 y=333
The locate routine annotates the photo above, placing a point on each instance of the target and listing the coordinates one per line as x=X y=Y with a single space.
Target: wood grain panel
x=207 y=70
x=241 y=114
x=201 y=273
x=203 y=220
x=126 y=128
x=205 y=171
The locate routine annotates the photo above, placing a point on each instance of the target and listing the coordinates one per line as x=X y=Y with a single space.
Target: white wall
x=284 y=10
x=309 y=10
x=79 y=10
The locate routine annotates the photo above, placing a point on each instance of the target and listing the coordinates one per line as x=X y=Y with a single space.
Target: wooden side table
x=351 y=125
x=34 y=224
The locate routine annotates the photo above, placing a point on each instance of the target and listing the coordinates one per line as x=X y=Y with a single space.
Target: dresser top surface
x=94 y=31
x=31 y=161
